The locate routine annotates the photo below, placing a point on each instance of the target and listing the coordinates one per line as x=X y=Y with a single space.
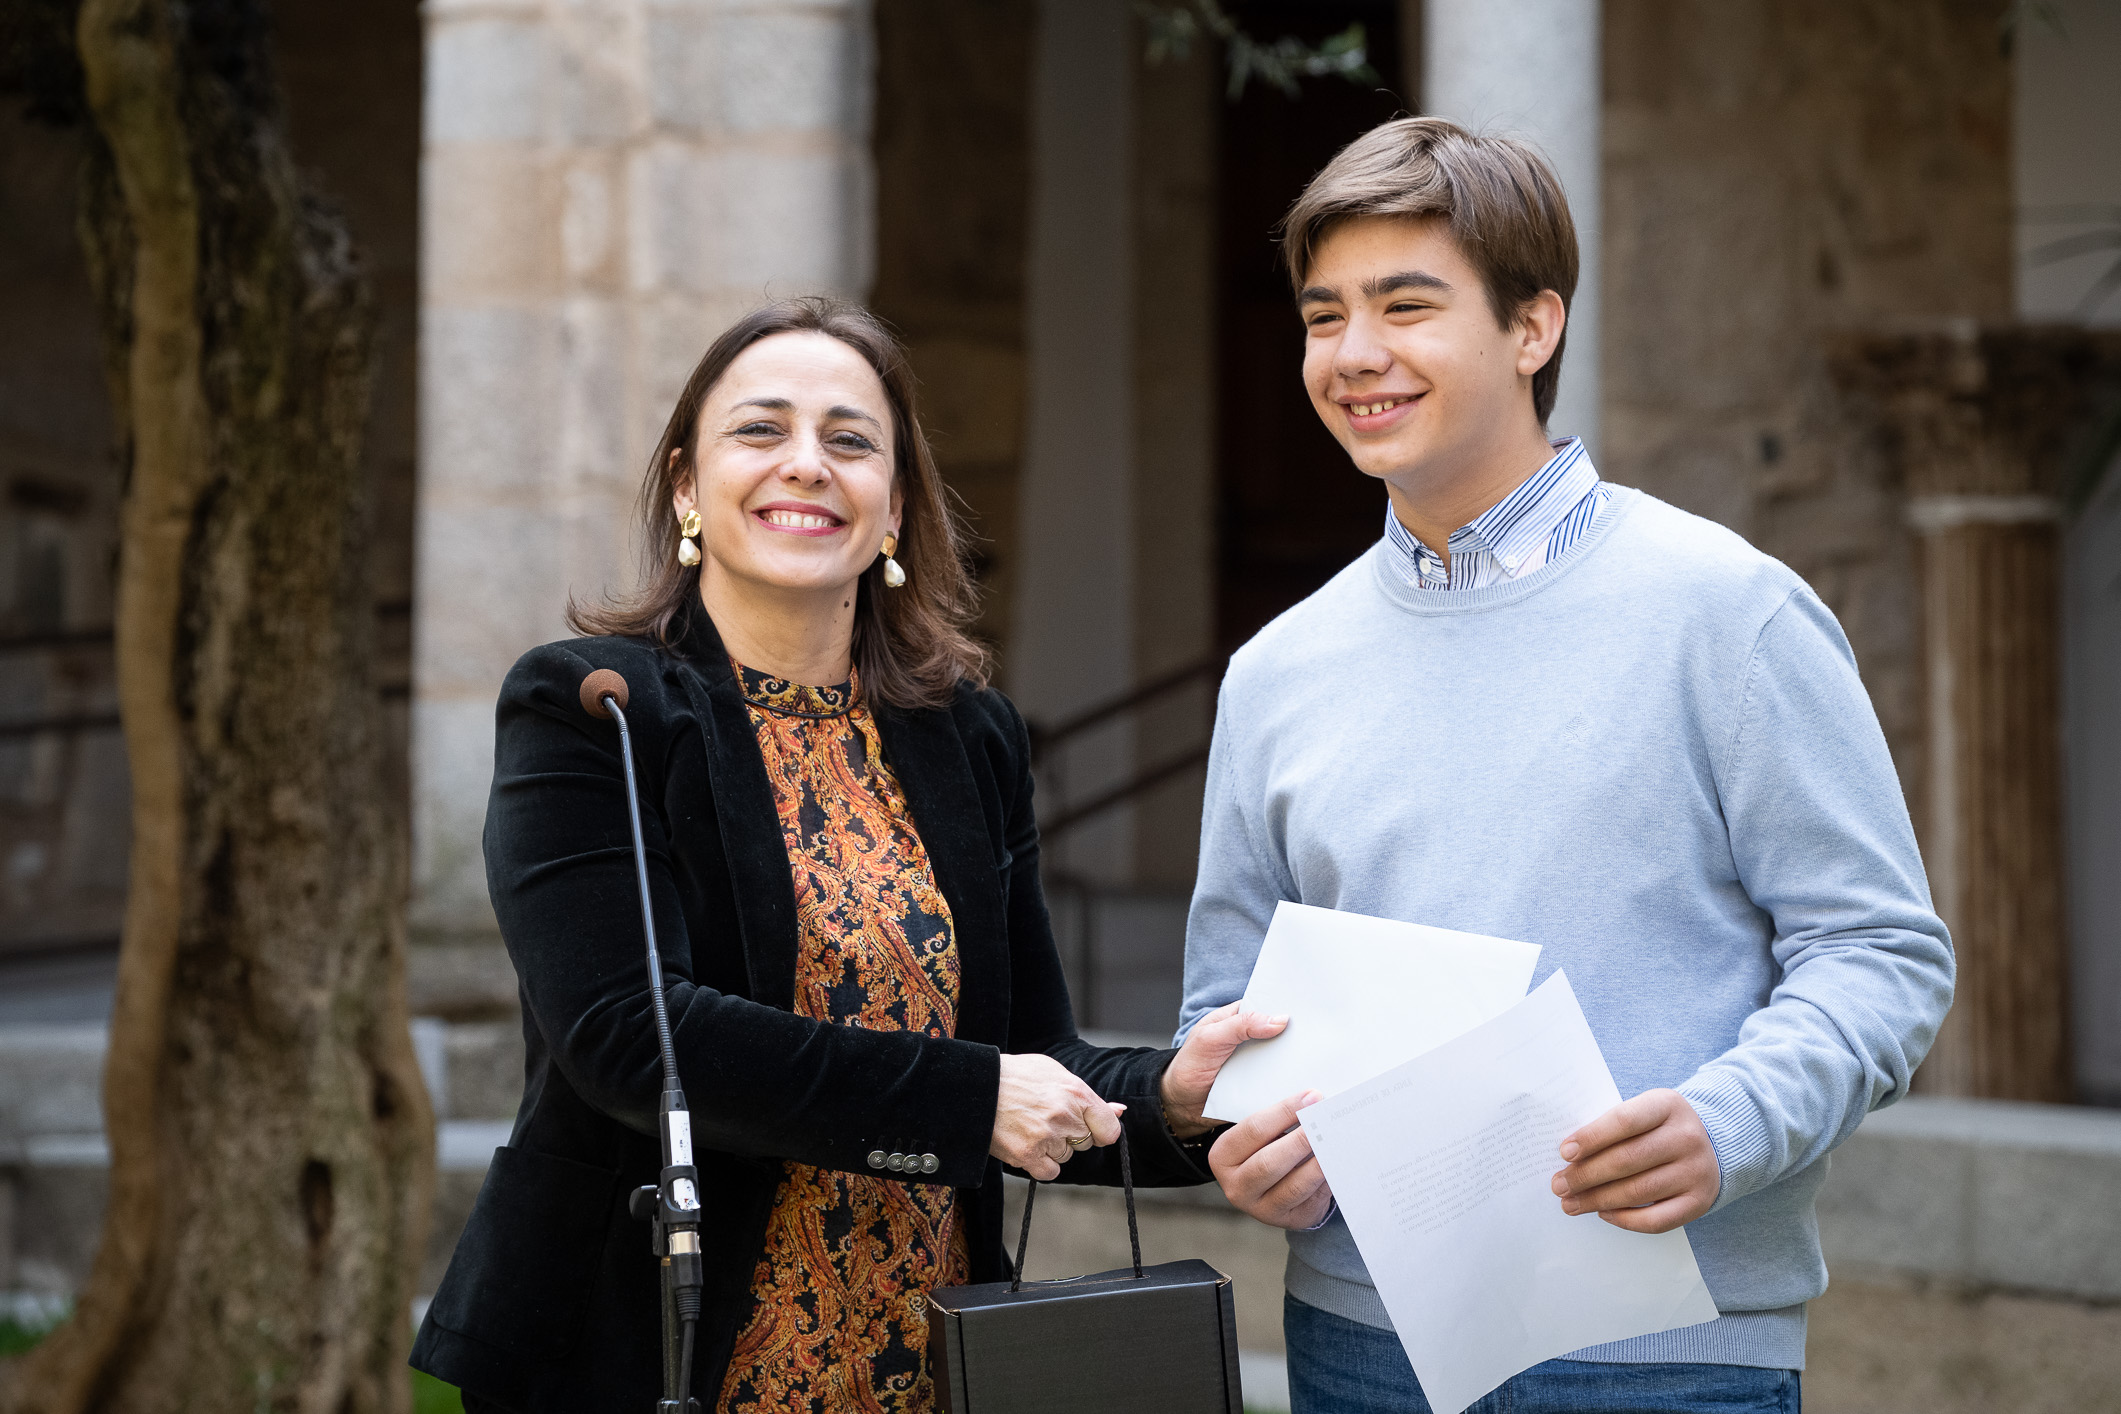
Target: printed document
x=1444 y=1167
x=1362 y=995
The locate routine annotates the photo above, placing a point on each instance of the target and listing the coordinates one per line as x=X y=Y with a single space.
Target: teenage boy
x=1547 y=708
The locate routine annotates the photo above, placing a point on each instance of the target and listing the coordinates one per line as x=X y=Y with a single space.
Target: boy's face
x=1403 y=359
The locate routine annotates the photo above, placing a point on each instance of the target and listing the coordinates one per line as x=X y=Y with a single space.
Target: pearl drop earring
x=893 y=575
x=688 y=548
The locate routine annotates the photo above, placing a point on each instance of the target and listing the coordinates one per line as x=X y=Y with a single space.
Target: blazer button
x=876 y=1158
x=897 y=1163
x=929 y=1163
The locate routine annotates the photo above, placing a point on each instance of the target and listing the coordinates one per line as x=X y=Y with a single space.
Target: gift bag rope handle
x=1134 y=1232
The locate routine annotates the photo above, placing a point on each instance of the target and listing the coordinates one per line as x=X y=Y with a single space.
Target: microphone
x=601 y=684
x=672 y=1204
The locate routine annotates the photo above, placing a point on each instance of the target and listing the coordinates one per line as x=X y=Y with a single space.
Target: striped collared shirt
x=1531 y=527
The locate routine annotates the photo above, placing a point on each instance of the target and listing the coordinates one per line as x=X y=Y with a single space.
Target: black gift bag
x=1154 y=1340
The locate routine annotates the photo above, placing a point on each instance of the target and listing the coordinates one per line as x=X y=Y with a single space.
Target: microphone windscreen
x=596 y=686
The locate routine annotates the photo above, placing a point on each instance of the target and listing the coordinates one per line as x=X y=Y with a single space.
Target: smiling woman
x=804 y=410
x=866 y=1008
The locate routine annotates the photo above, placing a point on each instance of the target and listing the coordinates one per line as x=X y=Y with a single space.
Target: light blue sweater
x=1655 y=759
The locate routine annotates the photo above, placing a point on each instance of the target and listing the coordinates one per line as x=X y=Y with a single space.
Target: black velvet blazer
x=551 y=1302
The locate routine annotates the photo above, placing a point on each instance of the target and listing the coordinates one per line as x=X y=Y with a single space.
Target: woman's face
x=793 y=474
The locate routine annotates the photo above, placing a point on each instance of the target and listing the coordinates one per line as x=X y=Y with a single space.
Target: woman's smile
x=795 y=518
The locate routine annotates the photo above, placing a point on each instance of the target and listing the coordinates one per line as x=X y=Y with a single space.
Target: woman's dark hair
x=911 y=645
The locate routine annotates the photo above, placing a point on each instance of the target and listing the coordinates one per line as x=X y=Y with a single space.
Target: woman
x=857 y=958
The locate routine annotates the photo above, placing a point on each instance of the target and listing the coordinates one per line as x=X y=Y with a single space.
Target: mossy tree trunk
x=271 y=1141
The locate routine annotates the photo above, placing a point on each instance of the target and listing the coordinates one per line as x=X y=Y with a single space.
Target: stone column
x=1072 y=643
x=1977 y=425
x=2065 y=160
x=605 y=184
x=1530 y=69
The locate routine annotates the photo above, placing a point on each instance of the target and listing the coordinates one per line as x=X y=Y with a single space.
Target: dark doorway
x=1291 y=511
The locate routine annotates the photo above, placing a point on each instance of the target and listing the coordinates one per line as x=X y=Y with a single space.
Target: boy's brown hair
x=1503 y=203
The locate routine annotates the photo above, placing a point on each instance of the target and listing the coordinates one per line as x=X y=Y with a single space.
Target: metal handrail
x=102 y=636
x=71 y=723
x=1044 y=741
x=1121 y=794
x=67 y=722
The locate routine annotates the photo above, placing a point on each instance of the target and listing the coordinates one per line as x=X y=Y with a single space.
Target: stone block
x=1899 y=1204
x=492 y=566
x=461 y=9
x=2050 y=1219
x=452 y=768
x=455 y=1191
x=487 y=78
x=491 y=224
x=1981 y=1193
x=788 y=70
x=58 y=1221
x=681 y=70
x=51 y=1081
x=487 y=404
x=595 y=89
x=591 y=221
x=764 y=223
x=461 y=980
x=485 y=1069
x=670 y=334
x=592 y=455
x=666 y=208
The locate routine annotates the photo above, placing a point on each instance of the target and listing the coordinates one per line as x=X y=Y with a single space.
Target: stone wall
x=605 y=186
x=1777 y=170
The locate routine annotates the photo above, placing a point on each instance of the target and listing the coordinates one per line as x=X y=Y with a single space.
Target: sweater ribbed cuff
x=1738 y=1131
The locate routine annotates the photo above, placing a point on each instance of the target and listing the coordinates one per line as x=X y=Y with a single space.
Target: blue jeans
x=1339 y=1366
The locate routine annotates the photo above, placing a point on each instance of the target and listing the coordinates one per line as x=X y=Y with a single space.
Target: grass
x=431 y=1396
x=17 y=1337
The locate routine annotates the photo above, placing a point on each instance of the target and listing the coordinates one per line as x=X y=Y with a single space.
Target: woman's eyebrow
x=844 y=413
x=839 y=412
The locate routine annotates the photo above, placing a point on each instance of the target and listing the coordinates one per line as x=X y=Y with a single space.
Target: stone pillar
x=1977 y=425
x=1530 y=69
x=605 y=184
x=2065 y=160
x=1072 y=643
x=1175 y=309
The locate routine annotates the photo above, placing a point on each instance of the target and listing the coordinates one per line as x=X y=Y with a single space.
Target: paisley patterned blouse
x=841 y=1321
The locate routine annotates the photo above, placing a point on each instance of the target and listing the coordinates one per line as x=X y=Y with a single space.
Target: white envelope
x=1362 y=995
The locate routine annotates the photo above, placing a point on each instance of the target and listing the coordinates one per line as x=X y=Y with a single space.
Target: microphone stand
x=671 y=1205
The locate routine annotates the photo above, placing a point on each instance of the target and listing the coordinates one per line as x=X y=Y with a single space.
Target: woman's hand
x=1213 y=1040
x=1045 y=1116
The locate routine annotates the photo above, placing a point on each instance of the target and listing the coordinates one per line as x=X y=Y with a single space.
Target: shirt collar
x=1517 y=524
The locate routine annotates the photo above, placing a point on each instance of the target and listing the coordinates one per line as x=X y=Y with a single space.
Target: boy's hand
x=1266 y=1167
x=1645 y=1165
x=1192 y=1071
